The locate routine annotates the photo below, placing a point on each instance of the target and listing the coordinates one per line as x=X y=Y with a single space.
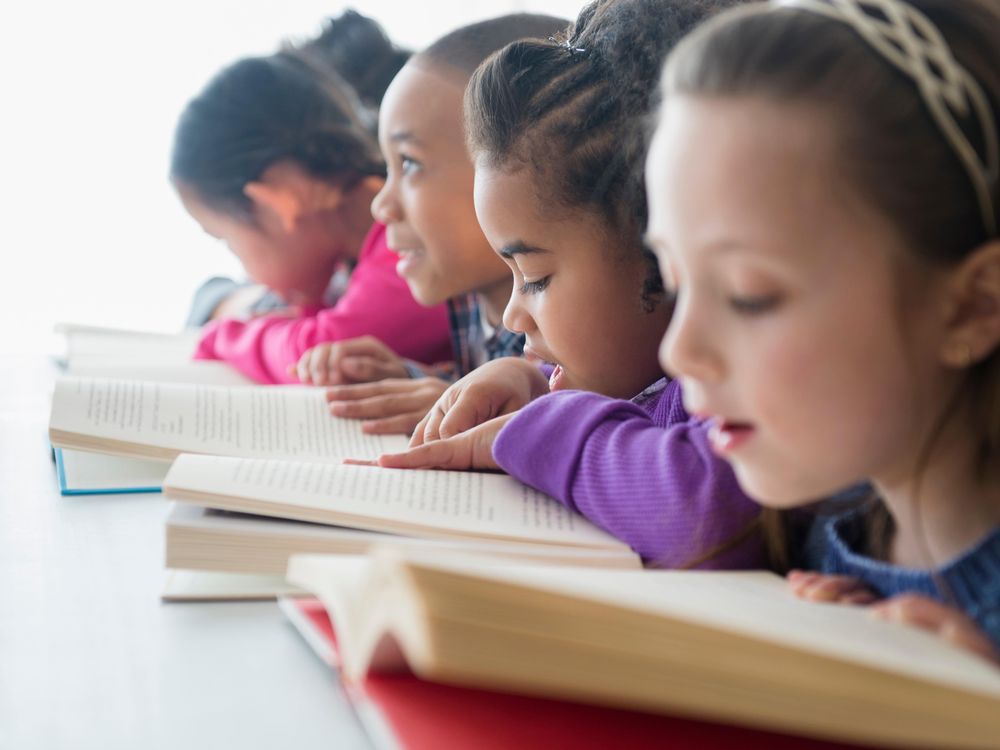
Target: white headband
x=910 y=41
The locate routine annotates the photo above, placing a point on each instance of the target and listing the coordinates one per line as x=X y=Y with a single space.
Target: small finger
x=355 y=391
x=318 y=365
x=360 y=369
x=913 y=609
x=417 y=436
x=431 y=455
x=969 y=638
x=302 y=368
x=401 y=424
x=372 y=408
x=432 y=425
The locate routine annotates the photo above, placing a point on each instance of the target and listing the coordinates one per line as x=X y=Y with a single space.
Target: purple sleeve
x=649 y=479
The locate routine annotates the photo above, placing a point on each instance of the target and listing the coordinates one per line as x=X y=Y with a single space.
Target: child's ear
x=973 y=325
x=278 y=199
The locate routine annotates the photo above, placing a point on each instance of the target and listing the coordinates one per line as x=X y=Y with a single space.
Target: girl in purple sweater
x=838 y=305
x=555 y=131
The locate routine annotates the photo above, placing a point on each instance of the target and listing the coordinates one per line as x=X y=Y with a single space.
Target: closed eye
x=754 y=305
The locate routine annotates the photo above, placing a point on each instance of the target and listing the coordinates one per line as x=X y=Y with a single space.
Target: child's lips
x=409 y=258
x=726 y=436
x=556 y=379
x=533 y=355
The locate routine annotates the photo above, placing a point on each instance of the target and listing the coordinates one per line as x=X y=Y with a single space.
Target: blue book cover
x=83 y=473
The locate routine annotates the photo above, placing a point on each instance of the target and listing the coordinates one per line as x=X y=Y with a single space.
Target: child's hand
x=822 y=587
x=389 y=406
x=359 y=360
x=473 y=449
x=947 y=622
x=499 y=387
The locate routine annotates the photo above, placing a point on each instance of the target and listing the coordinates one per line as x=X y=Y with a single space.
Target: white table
x=90 y=657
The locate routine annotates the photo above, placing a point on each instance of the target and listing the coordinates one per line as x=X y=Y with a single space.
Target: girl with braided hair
x=556 y=130
x=823 y=185
x=276 y=157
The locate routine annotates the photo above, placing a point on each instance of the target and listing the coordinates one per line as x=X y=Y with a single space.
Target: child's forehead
x=424 y=103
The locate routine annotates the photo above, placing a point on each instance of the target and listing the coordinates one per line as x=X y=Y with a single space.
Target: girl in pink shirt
x=276 y=158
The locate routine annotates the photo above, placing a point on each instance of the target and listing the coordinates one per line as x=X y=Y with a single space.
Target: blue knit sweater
x=971 y=581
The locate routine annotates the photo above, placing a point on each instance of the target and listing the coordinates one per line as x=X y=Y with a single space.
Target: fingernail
x=881 y=611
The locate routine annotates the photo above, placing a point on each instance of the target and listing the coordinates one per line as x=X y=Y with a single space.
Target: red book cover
x=403 y=711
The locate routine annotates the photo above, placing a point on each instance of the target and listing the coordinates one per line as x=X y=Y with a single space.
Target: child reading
x=275 y=158
x=566 y=208
x=838 y=304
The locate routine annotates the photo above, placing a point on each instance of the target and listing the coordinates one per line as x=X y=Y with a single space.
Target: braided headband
x=911 y=42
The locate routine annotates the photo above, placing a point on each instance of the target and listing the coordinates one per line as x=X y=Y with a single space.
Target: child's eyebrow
x=519 y=248
x=404 y=136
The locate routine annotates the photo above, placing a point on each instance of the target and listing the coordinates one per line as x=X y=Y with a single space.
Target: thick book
x=735 y=648
x=449 y=505
x=404 y=712
x=161 y=420
x=209 y=539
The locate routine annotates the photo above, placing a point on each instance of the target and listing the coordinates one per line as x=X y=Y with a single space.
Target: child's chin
x=769 y=488
x=426 y=294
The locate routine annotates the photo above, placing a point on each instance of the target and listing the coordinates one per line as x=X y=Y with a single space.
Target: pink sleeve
x=377 y=303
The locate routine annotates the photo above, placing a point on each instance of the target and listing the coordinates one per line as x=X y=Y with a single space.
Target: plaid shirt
x=469 y=344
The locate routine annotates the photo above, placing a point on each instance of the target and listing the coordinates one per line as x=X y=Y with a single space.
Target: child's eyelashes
x=534 y=287
x=754 y=305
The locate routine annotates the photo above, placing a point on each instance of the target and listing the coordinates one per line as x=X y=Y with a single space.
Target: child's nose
x=685 y=350
x=385 y=207
x=515 y=317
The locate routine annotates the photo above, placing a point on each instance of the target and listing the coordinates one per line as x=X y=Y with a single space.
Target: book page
x=442 y=503
x=756 y=604
x=255 y=421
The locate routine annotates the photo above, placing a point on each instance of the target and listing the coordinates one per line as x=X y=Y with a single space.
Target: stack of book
x=257 y=474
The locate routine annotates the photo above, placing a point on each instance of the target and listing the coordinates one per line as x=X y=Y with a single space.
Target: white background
x=89 y=95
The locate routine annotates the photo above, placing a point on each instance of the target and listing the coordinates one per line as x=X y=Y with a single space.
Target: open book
x=128 y=355
x=403 y=712
x=468 y=507
x=734 y=648
x=207 y=539
x=162 y=420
